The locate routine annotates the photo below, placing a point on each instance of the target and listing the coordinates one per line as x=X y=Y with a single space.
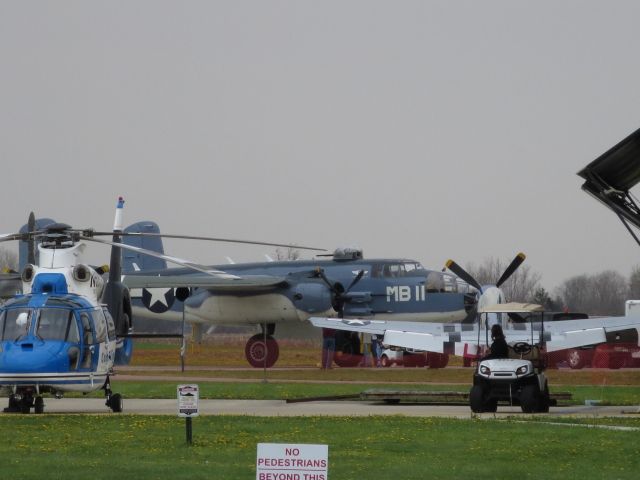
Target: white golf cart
x=518 y=379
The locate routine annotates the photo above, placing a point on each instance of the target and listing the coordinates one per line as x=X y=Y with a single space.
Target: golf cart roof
x=512 y=307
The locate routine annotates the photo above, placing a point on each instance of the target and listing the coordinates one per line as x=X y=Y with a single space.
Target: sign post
x=188 y=407
x=292 y=461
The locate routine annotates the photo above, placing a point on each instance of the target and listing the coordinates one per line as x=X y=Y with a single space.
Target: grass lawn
x=127 y=446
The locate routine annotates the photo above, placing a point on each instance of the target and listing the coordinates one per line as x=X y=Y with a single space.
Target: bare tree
x=8 y=259
x=634 y=283
x=289 y=253
x=520 y=287
x=601 y=294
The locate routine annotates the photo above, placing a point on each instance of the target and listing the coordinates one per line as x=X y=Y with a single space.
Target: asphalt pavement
x=280 y=408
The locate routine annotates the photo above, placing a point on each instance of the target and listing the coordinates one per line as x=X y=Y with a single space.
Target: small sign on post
x=292 y=461
x=188 y=407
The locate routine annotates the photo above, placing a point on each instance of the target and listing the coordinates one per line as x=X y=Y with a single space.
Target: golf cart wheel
x=529 y=398
x=491 y=405
x=476 y=399
x=545 y=401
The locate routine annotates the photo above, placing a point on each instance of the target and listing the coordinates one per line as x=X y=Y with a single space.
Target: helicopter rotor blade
x=462 y=273
x=91 y=233
x=513 y=266
x=177 y=261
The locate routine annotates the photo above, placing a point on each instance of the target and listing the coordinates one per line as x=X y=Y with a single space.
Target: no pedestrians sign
x=290 y=461
x=187 y=400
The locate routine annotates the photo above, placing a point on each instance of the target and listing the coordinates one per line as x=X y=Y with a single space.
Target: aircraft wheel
x=576 y=358
x=476 y=399
x=116 y=403
x=259 y=354
x=529 y=399
x=38 y=406
x=25 y=404
x=347 y=350
x=14 y=405
x=384 y=361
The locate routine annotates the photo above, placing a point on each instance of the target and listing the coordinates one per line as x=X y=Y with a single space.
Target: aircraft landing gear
x=260 y=354
x=22 y=403
x=347 y=349
x=114 y=400
x=38 y=405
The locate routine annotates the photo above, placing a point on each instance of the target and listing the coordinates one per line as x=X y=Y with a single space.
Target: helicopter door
x=104 y=338
x=89 y=347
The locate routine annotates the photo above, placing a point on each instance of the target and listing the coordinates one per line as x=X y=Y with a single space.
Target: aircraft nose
x=31 y=355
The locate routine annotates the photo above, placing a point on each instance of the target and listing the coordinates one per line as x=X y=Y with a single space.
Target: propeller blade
x=320 y=273
x=462 y=273
x=515 y=263
x=90 y=233
x=354 y=281
x=177 y=261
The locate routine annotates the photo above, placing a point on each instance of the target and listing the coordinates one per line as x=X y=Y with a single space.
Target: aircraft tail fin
x=136 y=262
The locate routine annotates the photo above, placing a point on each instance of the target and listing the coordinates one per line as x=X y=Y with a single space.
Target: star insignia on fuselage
x=158 y=300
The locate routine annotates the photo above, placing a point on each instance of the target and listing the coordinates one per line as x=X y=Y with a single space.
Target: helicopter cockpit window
x=86 y=328
x=111 y=327
x=13 y=325
x=101 y=325
x=57 y=324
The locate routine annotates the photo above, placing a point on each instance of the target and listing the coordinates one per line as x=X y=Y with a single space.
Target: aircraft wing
x=249 y=283
x=563 y=334
x=451 y=338
x=464 y=339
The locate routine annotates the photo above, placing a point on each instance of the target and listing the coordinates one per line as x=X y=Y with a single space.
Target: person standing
x=366 y=349
x=328 y=347
x=376 y=346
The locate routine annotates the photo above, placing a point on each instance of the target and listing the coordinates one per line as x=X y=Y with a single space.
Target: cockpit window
x=101 y=325
x=392 y=270
x=57 y=324
x=14 y=323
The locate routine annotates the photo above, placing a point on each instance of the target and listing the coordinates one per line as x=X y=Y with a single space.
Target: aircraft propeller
x=464 y=275
x=340 y=294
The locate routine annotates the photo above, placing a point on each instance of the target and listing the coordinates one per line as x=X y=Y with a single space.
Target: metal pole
x=189 y=431
x=183 y=347
x=266 y=353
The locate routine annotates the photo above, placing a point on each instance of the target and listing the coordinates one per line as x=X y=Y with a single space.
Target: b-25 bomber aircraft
x=283 y=295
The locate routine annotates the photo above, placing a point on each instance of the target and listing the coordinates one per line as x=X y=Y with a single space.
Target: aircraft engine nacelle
x=312 y=297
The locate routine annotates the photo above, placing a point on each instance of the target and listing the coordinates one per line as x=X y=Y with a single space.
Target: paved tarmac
x=279 y=408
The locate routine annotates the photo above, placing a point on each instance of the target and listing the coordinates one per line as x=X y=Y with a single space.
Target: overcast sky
x=421 y=129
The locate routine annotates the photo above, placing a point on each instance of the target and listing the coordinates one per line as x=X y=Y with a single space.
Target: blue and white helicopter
x=68 y=327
